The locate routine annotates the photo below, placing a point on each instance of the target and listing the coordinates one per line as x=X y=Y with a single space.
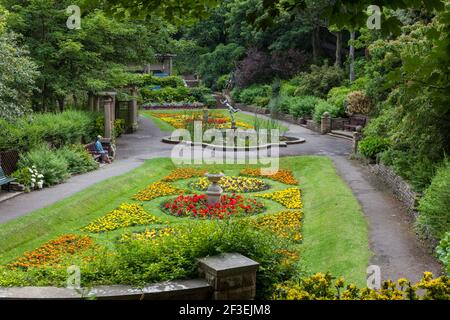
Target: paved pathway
x=396 y=248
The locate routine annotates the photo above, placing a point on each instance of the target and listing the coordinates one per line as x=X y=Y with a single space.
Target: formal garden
x=76 y=99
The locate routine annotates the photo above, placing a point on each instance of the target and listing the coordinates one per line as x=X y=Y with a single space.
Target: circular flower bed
x=196 y=206
x=233 y=184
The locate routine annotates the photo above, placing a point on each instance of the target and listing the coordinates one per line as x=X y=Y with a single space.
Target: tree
x=17 y=78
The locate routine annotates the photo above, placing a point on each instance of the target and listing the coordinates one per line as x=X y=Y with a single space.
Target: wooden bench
x=354 y=122
x=4 y=180
x=96 y=155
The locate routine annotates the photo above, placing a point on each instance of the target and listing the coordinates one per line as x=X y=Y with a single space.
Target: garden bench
x=4 y=180
x=354 y=122
x=96 y=155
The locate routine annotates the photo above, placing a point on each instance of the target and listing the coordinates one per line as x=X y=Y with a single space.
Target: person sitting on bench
x=99 y=149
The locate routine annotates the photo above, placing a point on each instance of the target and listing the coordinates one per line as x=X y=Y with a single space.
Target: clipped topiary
x=359 y=103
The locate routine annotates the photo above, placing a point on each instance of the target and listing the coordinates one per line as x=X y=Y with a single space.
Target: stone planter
x=214 y=191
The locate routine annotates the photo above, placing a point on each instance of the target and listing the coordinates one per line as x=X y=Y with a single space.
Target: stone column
x=108 y=99
x=97 y=103
x=133 y=110
x=91 y=101
x=231 y=275
x=325 y=125
x=357 y=136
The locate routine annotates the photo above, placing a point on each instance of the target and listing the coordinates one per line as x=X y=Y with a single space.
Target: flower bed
x=215 y=120
x=184 y=173
x=233 y=184
x=126 y=215
x=285 y=224
x=290 y=198
x=156 y=190
x=53 y=252
x=282 y=175
x=196 y=206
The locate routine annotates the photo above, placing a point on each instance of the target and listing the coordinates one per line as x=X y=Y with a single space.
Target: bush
x=174 y=257
x=443 y=252
x=338 y=96
x=370 y=147
x=222 y=81
x=56 y=129
x=23 y=176
x=167 y=94
x=322 y=106
x=434 y=206
x=119 y=127
x=254 y=68
x=319 y=81
x=170 y=81
x=78 y=159
x=51 y=164
x=359 y=103
x=251 y=94
x=303 y=106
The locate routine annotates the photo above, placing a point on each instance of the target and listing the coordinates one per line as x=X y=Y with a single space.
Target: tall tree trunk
x=61 y=103
x=338 y=61
x=316 y=43
x=352 y=57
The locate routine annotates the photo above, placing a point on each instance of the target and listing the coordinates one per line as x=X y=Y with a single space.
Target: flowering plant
x=197 y=206
x=156 y=190
x=286 y=224
x=148 y=234
x=290 y=198
x=126 y=215
x=53 y=252
x=184 y=173
x=233 y=184
x=282 y=175
x=37 y=179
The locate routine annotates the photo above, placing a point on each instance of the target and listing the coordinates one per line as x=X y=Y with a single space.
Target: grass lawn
x=164 y=126
x=334 y=229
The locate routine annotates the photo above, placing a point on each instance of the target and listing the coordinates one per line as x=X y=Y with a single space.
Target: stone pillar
x=325 y=124
x=231 y=275
x=357 y=136
x=108 y=99
x=97 y=103
x=133 y=110
x=91 y=101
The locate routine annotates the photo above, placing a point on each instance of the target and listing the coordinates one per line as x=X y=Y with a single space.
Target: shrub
x=203 y=95
x=443 y=252
x=254 y=68
x=322 y=106
x=434 y=206
x=222 y=81
x=251 y=94
x=77 y=158
x=23 y=176
x=119 y=127
x=319 y=81
x=51 y=164
x=303 y=106
x=359 y=103
x=287 y=63
x=167 y=94
x=56 y=129
x=170 y=81
x=174 y=257
x=370 y=147
x=338 y=96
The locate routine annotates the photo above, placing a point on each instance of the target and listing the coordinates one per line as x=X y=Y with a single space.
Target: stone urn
x=214 y=191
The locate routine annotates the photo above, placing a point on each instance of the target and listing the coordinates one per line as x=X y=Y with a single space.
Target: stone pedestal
x=357 y=137
x=325 y=125
x=231 y=276
x=214 y=191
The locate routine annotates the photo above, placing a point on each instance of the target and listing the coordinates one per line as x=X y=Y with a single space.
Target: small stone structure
x=224 y=277
x=357 y=137
x=231 y=275
x=325 y=124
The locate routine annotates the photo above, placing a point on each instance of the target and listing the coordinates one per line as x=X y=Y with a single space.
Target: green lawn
x=334 y=229
x=164 y=126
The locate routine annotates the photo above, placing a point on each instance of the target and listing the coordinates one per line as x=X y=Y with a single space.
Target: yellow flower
x=125 y=215
x=286 y=224
x=290 y=198
x=234 y=184
x=156 y=190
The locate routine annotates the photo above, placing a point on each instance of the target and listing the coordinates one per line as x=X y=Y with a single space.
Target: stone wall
x=338 y=123
x=251 y=108
x=401 y=189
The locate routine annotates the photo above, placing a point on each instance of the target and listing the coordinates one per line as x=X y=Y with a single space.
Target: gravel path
x=395 y=246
